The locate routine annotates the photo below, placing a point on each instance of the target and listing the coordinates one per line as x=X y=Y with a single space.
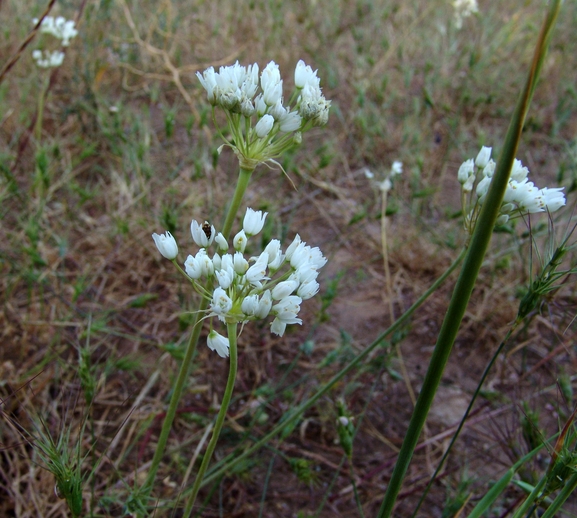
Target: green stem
x=40 y=114
x=467 y=278
x=355 y=490
x=175 y=398
x=465 y=415
x=221 y=467
x=241 y=185
x=231 y=330
x=570 y=486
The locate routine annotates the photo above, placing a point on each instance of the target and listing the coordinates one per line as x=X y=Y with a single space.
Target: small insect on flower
x=207 y=229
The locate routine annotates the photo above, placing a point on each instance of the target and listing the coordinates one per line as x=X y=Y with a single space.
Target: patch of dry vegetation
x=93 y=322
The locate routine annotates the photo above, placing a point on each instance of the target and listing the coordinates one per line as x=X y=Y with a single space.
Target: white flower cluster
x=273 y=283
x=387 y=184
x=59 y=27
x=278 y=126
x=463 y=9
x=47 y=59
x=62 y=30
x=521 y=197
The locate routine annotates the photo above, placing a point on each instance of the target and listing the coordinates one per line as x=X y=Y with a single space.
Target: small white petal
x=220 y=344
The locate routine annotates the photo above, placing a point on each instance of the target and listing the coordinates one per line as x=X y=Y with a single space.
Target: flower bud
x=483 y=157
x=166 y=245
x=264 y=125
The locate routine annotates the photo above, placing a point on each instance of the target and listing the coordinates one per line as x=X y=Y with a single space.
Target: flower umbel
x=262 y=125
x=521 y=197
x=272 y=283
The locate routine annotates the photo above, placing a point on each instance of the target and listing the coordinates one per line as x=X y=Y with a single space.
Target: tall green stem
x=221 y=467
x=231 y=330
x=471 y=266
x=241 y=185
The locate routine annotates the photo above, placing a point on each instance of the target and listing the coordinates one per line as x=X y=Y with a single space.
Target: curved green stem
x=468 y=276
x=231 y=330
x=221 y=467
x=241 y=185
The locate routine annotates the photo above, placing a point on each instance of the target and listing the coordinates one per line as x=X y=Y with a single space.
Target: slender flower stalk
x=233 y=366
x=277 y=129
x=471 y=266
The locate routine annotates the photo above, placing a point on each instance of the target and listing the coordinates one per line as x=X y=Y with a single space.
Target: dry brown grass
x=79 y=269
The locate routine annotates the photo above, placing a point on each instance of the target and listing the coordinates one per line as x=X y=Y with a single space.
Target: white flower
x=249 y=305
x=468 y=185
x=166 y=245
x=253 y=221
x=257 y=272
x=308 y=289
x=483 y=187
x=240 y=264
x=554 y=199
x=225 y=276
x=386 y=185
x=277 y=111
x=264 y=305
x=208 y=81
x=271 y=84
x=59 y=27
x=217 y=342
x=463 y=9
x=239 y=241
x=48 y=59
x=290 y=121
x=193 y=267
x=313 y=106
x=396 y=168
x=286 y=312
x=221 y=242
x=489 y=169
x=466 y=170
x=293 y=246
x=518 y=172
x=264 y=125
x=483 y=157
x=304 y=75
x=284 y=289
x=221 y=304
x=203 y=235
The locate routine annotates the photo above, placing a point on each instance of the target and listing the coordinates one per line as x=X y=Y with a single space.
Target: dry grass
x=131 y=150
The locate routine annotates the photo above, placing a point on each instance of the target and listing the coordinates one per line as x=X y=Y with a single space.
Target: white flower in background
x=59 y=27
x=47 y=59
x=396 y=168
x=272 y=283
x=521 y=196
x=466 y=170
x=217 y=342
x=387 y=184
x=166 y=245
x=266 y=127
x=463 y=9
